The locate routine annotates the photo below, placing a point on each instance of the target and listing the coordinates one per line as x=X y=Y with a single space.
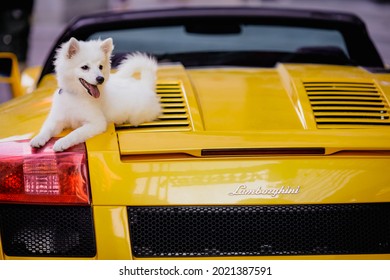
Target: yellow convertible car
x=274 y=142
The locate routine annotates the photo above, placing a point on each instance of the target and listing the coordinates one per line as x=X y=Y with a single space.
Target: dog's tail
x=139 y=62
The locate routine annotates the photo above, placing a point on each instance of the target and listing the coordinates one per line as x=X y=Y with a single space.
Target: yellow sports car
x=274 y=142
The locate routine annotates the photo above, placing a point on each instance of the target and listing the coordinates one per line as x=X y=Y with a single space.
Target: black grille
x=56 y=231
x=260 y=230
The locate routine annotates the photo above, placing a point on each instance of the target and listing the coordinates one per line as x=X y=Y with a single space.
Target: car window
x=178 y=39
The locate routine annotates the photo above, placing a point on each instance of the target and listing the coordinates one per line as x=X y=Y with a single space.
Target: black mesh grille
x=260 y=230
x=56 y=231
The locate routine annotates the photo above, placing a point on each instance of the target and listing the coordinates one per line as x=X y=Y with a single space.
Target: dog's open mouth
x=92 y=89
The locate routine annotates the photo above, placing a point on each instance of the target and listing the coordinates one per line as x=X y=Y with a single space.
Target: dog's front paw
x=61 y=145
x=39 y=141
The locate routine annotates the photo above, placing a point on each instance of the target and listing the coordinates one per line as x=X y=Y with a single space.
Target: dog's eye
x=101 y=67
x=85 y=67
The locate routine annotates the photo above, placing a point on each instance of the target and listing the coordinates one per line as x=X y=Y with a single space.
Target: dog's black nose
x=100 y=80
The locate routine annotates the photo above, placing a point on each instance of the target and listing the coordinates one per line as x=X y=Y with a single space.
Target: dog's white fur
x=117 y=97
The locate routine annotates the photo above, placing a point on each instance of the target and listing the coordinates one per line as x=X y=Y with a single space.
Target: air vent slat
x=359 y=90
x=174 y=115
x=165 y=123
x=340 y=94
x=173 y=105
x=172 y=100
x=345 y=99
x=168 y=111
x=346 y=87
x=351 y=118
x=170 y=95
x=350 y=115
x=339 y=83
x=347 y=104
x=350 y=105
x=349 y=109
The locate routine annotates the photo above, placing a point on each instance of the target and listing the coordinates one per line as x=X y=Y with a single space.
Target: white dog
x=89 y=97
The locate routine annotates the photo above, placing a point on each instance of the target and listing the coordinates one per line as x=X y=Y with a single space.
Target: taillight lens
x=42 y=176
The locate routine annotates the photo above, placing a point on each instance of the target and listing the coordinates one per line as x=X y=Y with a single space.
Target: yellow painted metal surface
x=237 y=100
x=251 y=117
x=14 y=78
x=192 y=143
x=166 y=180
x=112 y=233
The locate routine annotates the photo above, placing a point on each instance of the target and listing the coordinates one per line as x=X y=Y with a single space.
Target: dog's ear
x=73 y=48
x=107 y=46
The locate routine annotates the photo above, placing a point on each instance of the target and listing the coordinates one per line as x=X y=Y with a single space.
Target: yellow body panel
x=229 y=109
x=333 y=179
x=14 y=78
x=112 y=233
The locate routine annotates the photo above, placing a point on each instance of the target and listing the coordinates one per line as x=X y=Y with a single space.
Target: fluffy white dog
x=89 y=97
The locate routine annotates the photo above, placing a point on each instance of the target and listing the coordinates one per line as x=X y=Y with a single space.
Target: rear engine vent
x=347 y=104
x=175 y=114
x=211 y=231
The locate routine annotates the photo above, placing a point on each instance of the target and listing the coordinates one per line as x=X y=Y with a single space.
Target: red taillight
x=42 y=176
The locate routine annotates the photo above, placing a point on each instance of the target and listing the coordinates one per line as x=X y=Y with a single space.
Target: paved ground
x=51 y=16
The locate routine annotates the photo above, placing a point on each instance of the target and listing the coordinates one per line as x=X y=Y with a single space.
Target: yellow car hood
x=243 y=136
x=238 y=136
x=289 y=107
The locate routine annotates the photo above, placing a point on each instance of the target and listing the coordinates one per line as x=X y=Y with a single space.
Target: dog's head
x=82 y=66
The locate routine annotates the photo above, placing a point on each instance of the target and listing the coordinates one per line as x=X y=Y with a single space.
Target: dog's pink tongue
x=94 y=91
